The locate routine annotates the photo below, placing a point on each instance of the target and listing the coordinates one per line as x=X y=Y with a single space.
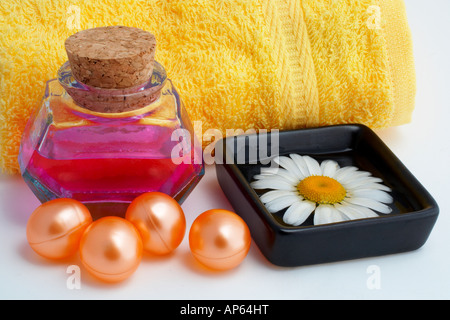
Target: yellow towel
x=250 y=64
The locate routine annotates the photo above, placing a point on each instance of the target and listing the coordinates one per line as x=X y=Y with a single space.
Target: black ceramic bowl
x=414 y=211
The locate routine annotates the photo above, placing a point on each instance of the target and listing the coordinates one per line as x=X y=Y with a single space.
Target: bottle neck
x=113 y=103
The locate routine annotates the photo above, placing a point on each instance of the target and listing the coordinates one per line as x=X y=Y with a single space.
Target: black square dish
x=406 y=228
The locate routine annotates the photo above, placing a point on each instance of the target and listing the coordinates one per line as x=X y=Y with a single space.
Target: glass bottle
x=109 y=145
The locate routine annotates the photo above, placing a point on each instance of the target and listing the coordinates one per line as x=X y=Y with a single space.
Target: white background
x=423 y=146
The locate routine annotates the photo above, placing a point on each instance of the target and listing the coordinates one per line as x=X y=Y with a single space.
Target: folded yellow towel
x=251 y=64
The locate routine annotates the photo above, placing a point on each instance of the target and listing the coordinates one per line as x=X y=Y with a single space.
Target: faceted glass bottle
x=69 y=151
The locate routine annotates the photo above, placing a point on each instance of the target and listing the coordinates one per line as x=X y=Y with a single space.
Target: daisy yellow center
x=321 y=189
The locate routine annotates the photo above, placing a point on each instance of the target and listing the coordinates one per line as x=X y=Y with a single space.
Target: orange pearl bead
x=111 y=249
x=55 y=228
x=160 y=221
x=219 y=239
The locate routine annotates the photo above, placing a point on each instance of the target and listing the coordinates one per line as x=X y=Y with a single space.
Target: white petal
x=290 y=166
x=376 y=186
x=327 y=214
x=366 y=212
x=274 y=194
x=281 y=203
x=374 y=194
x=321 y=215
x=355 y=212
x=353 y=176
x=349 y=212
x=282 y=173
x=270 y=170
x=329 y=167
x=344 y=172
x=313 y=166
x=301 y=164
x=366 y=182
x=288 y=176
x=298 y=212
x=271 y=184
x=272 y=178
x=369 y=186
x=263 y=176
x=370 y=203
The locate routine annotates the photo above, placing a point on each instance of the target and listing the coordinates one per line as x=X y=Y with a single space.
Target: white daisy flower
x=332 y=193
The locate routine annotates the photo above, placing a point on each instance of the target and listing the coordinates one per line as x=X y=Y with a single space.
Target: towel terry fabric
x=253 y=64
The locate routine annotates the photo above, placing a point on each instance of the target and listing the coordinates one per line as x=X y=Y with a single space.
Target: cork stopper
x=113 y=57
